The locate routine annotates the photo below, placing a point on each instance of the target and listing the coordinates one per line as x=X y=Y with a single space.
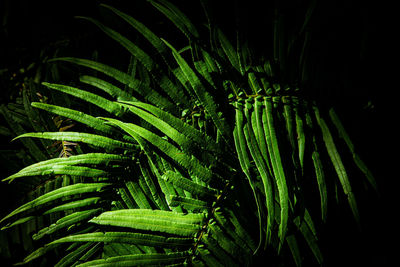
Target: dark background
x=353 y=68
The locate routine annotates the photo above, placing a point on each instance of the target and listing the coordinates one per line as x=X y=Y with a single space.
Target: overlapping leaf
x=153 y=220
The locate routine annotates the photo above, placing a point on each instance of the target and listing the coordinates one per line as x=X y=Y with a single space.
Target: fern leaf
x=141 y=88
x=203 y=96
x=262 y=169
x=91 y=139
x=310 y=238
x=74 y=205
x=190 y=204
x=95 y=99
x=107 y=87
x=19 y=221
x=67 y=166
x=146 y=61
x=220 y=254
x=244 y=161
x=33 y=115
x=80 y=188
x=152 y=220
x=138 y=195
x=38 y=253
x=321 y=183
x=294 y=249
x=177 y=17
x=154 y=40
x=337 y=163
x=129 y=238
x=191 y=133
x=60 y=170
x=66 y=221
x=343 y=134
x=163 y=126
x=188 y=185
x=229 y=51
x=76 y=116
x=18 y=129
x=192 y=164
x=140 y=259
x=158 y=200
x=276 y=162
x=319 y=172
x=74 y=256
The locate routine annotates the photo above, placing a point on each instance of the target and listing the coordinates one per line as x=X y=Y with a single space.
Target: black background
x=353 y=57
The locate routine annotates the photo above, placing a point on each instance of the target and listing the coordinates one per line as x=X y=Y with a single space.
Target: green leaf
x=70 y=190
x=74 y=205
x=188 y=131
x=141 y=88
x=156 y=195
x=17 y=222
x=78 y=116
x=163 y=126
x=138 y=195
x=319 y=172
x=337 y=163
x=202 y=68
x=229 y=51
x=177 y=17
x=192 y=164
x=152 y=220
x=5 y=131
x=224 y=241
x=91 y=139
x=33 y=114
x=301 y=138
x=97 y=247
x=276 y=162
x=321 y=183
x=72 y=257
x=151 y=66
x=294 y=249
x=203 y=96
x=140 y=259
x=66 y=221
x=18 y=129
x=219 y=252
x=343 y=134
x=144 y=58
x=129 y=238
x=60 y=170
x=126 y=198
x=66 y=166
x=262 y=169
x=38 y=253
x=310 y=238
x=208 y=257
x=189 y=185
x=146 y=32
x=240 y=230
x=291 y=131
x=244 y=161
x=258 y=129
x=95 y=99
x=241 y=239
x=190 y=204
x=107 y=87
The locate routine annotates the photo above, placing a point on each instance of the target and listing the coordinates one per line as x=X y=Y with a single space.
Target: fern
x=207 y=161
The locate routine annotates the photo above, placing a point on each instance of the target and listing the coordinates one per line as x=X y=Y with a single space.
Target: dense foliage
x=202 y=154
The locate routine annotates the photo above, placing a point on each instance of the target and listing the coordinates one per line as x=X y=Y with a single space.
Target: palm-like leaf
x=172 y=196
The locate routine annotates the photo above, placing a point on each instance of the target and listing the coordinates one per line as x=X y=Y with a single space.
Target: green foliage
x=181 y=170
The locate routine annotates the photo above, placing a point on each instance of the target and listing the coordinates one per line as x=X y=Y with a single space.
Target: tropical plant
x=197 y=155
